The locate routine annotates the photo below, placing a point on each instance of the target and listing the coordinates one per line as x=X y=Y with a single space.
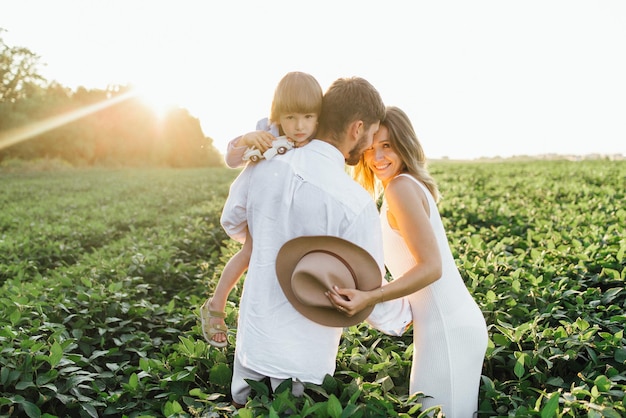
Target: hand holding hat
x=308 y=267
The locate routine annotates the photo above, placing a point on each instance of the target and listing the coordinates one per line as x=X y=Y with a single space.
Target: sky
x=481 y=78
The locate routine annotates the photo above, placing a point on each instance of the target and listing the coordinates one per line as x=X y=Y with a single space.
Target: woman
x=449 y=331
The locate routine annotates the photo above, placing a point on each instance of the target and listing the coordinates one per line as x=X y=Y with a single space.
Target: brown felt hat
x=309 y=266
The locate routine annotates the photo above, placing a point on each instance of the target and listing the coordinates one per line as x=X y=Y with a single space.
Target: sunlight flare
x=157 y=97
x=17 y=135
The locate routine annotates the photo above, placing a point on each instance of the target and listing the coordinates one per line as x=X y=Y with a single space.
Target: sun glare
x=17 y=135
x=158 y=98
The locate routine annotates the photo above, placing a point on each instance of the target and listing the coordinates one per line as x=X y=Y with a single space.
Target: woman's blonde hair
x=405 y=143
x=296 y=92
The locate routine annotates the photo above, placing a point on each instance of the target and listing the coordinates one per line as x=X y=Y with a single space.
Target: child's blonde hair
x=296 y=92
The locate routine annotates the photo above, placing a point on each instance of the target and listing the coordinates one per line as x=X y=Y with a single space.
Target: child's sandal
x=209 y=330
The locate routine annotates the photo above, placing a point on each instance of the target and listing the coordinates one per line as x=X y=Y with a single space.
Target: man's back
x=305 y=192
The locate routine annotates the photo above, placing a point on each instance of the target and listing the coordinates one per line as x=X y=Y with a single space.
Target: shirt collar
x=328 y=150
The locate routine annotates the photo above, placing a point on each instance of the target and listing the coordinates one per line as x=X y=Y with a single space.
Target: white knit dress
x=449 y=330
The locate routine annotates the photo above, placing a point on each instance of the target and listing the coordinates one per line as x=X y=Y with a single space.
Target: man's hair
x=296 y=93
x=348 y=100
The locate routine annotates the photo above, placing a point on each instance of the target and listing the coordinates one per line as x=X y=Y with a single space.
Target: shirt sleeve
x=265 y=125
x=234 y=154
x=234 y=217
x=392 y=317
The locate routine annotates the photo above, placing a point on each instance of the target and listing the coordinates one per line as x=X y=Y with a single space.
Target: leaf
x=245 y=413
x=56 y=354
x=64 y=399
x=188 y=345
x=99 y=353
x=284 y=386
x=611 y=294
x=620 y=254
x=89 y=409
x=133 y=381
x=551 y=407
x=351 y=411
x=273 y=413
x=602 y=383
x=198 y=393
x=611 y=273
x=611 y=413
x=220 y=374
x=144 y=364
x=386 y=382
x=518 y=369
x=329 y=384
x=31 y=409
x=4 y=375
x=23 y=385
x=15 y=317
x=555 y=381
x=45 y=378
x=334 y=408
x=581 y=324
x=172 y=408
x=259 y=387
x=115 y=287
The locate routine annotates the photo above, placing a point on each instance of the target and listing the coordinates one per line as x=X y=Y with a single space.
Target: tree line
x=90 y=127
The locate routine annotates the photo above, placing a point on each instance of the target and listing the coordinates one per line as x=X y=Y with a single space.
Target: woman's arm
x=408 y=212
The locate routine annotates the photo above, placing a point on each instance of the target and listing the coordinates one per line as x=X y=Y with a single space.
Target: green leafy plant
x=102 y=273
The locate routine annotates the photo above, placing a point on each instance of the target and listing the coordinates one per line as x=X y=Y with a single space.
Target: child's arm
x=261 y=140
x=234 y=153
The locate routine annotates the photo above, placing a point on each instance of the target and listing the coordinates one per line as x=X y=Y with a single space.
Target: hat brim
x=365 y=268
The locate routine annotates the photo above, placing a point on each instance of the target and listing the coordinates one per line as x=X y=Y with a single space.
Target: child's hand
x=261 y=140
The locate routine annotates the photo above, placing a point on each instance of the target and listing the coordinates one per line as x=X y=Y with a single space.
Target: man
x=305 y=192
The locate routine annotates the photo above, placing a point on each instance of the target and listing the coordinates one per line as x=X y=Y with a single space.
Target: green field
x=103 y=271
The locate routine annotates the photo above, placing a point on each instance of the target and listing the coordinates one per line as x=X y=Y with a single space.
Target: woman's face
x=381 y=157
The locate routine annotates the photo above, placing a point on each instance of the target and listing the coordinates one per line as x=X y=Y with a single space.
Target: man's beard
x=355 y=153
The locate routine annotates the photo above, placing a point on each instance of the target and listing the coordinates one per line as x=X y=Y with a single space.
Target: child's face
x=299 y=127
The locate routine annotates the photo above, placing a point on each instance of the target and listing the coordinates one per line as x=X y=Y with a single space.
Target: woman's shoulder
x=402 y=181
x=404 y=194
x=404 y=186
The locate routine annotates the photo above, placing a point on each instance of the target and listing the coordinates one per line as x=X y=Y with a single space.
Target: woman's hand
x=261 y=140
x=350 y=301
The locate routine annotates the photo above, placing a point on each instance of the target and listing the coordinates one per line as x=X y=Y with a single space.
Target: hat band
x=338 y=257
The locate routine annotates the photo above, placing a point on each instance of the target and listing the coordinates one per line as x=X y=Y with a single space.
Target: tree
x=90 y=127
x=18 y=72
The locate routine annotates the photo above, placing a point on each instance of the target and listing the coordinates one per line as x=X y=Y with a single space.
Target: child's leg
x=233 y=270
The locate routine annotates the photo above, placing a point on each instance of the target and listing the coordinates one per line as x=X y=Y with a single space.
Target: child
x=295 y=108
